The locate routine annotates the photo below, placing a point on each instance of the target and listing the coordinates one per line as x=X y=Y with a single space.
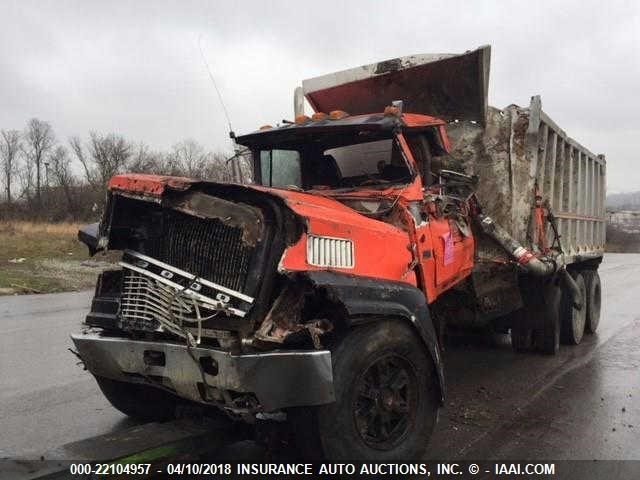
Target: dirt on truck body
x=320 y=293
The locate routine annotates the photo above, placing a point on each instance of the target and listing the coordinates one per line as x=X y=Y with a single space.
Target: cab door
x=445 y=248
x=453 y=250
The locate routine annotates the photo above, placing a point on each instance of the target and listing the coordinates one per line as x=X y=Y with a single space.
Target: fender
x=364 y=296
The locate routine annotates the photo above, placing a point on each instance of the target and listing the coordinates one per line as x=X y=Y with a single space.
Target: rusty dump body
x=520 y=151
x=434 y=211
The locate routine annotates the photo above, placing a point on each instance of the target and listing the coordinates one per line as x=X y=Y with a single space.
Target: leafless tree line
x=43 y=178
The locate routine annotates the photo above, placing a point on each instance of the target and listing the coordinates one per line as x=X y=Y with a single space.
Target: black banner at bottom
x=18 y=469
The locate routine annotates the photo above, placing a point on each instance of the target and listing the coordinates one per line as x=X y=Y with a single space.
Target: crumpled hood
x=304 y=204
x=381 y=250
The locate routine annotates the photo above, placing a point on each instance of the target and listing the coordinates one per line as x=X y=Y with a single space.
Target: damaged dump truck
x=320 y=293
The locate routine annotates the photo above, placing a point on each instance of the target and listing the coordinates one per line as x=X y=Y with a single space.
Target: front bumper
x=277 y=379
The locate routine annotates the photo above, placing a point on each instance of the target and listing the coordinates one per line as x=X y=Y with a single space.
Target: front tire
x=387 y=398
x=139 y=401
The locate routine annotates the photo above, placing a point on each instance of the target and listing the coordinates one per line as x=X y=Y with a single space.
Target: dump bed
x=515 y=152
x=522 y=151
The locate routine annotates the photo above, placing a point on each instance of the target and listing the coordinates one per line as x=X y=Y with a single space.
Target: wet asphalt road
x=581 y=404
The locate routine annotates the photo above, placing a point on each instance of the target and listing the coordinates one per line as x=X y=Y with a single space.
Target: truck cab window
x=333 y=161
x=426 y=147
x=376 y=162
x=280 y=168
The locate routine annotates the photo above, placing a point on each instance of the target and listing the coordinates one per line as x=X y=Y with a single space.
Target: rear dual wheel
x=576 y=322
x=594 y=300
x=549 y=314
x=574 y=318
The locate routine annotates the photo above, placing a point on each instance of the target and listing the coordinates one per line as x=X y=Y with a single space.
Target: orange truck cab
x=318 y=294
x=366 y=180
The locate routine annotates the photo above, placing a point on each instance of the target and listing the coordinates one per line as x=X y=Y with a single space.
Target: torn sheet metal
x=234 y=214
x=154 y=185
x=284 y=319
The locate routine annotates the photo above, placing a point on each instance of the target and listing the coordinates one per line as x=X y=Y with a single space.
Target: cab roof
x=373 y=122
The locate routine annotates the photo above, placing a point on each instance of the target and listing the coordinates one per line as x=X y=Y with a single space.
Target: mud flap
x=537 y=326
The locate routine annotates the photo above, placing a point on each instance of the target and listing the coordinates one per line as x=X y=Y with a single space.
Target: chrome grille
x=148 y=305
x=205 y=247
x=160 y=297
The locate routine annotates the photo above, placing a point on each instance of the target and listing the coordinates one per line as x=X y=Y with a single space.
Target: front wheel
x=139 y=401
x=387 y=398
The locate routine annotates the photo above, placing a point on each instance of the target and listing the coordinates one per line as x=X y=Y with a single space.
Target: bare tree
x=143 y=160
x=106 y=156
x=38 y=141
x=191 y=158
x=170 y=164
x=219 y=168
x=76 y=146
x=63 y=176
x=9 y=148
x=245 y=165
x=26 y=174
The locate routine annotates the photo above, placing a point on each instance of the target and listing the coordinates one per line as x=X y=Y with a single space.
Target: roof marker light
x=392 y=111
x=302 y=119
x=319 y=116
x=337 y=115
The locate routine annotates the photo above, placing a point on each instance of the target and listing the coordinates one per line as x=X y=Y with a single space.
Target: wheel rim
x=385 y=400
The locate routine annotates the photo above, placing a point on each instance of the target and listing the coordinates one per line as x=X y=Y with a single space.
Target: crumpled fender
x=362 y=296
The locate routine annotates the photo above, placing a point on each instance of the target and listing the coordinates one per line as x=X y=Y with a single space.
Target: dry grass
x=34 y=228
x=44 y=257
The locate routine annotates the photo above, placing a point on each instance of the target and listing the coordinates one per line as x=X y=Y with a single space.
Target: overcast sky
x=134 y=67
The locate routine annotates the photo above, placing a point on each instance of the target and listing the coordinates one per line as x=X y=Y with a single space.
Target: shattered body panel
x=387 y=255
x=529 y=153
x=154 y=185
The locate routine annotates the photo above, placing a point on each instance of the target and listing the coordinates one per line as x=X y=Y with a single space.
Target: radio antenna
x=235 y=165
x=215 y=86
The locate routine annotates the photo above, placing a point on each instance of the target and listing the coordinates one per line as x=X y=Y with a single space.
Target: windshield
x=333 y=163
x=280 y=168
